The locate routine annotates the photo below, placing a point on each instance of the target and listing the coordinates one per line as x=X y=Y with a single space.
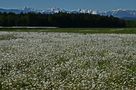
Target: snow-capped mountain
x=54 y=10
x=120 y=13
x=48 y=11
x=27 y=10
x=87 y=11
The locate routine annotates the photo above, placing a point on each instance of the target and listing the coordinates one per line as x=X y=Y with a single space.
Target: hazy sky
x=70 y=4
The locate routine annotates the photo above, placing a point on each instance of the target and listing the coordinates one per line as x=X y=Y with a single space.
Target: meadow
x=71 y=30
x=61 y=59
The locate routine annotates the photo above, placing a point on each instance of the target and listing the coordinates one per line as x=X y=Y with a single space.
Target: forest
x=72 y=20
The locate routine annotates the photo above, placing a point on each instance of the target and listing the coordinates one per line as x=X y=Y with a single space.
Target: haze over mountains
x=120 y=13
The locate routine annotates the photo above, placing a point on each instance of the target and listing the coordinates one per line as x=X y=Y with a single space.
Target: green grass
x=75 y=30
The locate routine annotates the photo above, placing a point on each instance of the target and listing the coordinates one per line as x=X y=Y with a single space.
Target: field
x=71 y=30
x=67 y=61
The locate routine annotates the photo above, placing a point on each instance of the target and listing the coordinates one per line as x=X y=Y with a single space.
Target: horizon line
x=66 y=9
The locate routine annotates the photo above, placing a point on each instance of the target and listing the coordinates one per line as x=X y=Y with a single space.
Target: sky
x=101 y=5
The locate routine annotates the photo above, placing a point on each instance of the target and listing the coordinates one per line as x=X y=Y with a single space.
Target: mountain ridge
x=120 y=13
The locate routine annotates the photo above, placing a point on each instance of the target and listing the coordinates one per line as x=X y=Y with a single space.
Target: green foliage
x=60 y=20
x=131 y=23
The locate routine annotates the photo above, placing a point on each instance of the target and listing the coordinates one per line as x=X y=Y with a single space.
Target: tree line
x=60 y=20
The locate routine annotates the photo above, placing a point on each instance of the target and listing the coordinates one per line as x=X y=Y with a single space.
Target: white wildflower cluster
x=67 y=61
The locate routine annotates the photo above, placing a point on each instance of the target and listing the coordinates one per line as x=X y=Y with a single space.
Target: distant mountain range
x=120 y=13
x=17 y=11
